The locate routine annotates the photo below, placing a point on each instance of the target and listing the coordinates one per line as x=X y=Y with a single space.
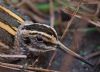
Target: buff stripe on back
x=9 y=21
x=7 y=28
x=12 y=14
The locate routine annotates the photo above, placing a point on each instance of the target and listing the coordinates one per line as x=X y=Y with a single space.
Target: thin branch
x=70 y=22
x=52 y=17
x=92 y=55
x=52 y=58
x=98 y=9
x=19 y=67
x=85 y=18
x=77 y=39
x=19 y=4
x=13 y=56
x=34 y=9
x=33 y=16
x=91 y=2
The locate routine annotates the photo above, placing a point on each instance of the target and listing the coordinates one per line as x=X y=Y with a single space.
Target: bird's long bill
x=64 y=48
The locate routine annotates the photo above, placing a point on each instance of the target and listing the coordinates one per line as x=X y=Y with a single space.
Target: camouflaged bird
x=24 y=37
x=32 y=39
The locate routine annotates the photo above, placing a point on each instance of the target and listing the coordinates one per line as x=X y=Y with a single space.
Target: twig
x=19 y=67
x=13 y=56
x=85 y=18
x=60 y=27
x=91 y=2
x=52 y=17
x=77 y=39
x=31 y=6
x=85 y=1
x=33 y=16
x=70 y=22
x=98 y=9
x=19 y=4
x=52 y=58
x=92 y=55
x=36 y=60
x=34 y=9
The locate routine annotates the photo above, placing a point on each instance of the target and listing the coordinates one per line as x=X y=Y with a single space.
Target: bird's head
x=36 y=37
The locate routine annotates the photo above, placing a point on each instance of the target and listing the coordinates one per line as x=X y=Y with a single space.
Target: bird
x=34 y=40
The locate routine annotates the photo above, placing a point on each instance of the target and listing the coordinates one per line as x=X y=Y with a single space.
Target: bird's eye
x=39 y=39
x=27 y=40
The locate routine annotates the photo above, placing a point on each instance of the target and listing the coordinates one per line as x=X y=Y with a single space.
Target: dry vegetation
x=77 y=23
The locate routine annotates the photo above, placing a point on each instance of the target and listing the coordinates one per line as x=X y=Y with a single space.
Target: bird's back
x=9 y=22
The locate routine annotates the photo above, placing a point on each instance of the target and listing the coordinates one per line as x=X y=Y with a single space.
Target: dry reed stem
x=70 y=22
